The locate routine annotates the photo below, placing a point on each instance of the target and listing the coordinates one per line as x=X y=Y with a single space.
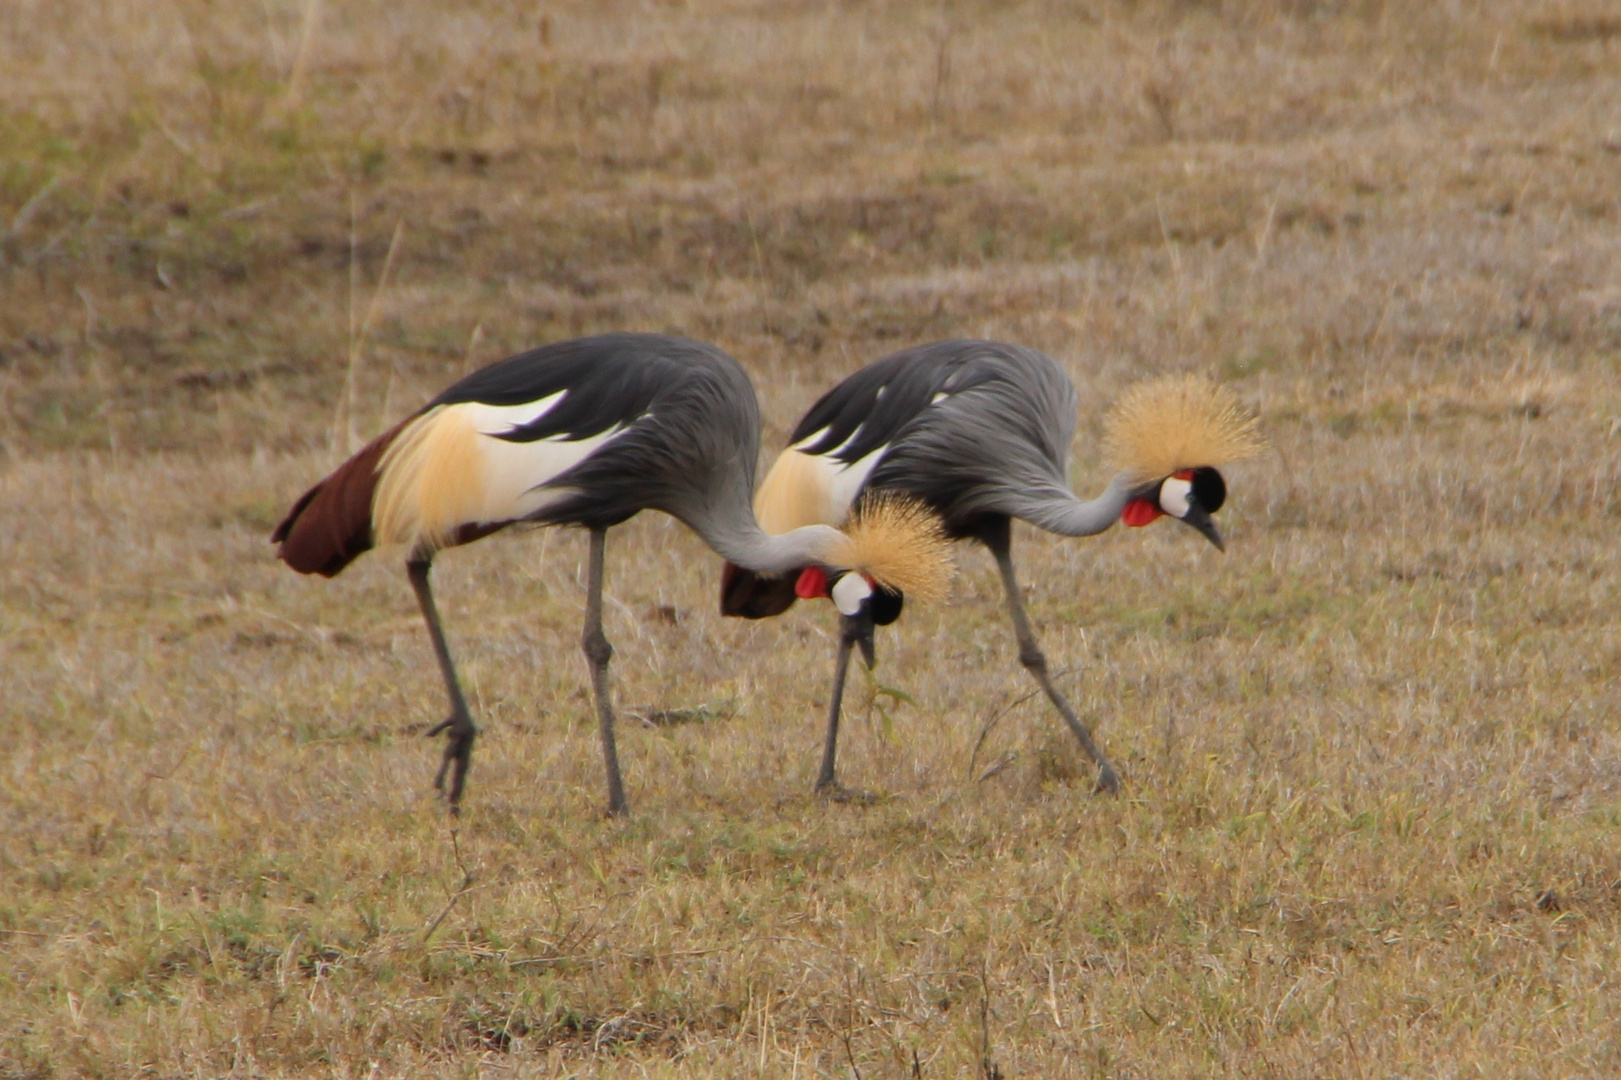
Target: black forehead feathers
x=1209 y=489
x=885 y=605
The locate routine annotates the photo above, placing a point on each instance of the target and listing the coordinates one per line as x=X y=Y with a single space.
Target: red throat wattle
x=1140 y=512
x=811 y=584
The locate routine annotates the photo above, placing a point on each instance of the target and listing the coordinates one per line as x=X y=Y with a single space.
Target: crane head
x=853 y=593
x=1167 y=436
x=1189 y=495
x=891 y=546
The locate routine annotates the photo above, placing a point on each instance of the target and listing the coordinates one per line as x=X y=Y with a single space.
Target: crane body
x=583 y=433
x=980 y=431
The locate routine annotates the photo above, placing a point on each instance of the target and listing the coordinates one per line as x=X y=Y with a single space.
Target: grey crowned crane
x=585 y=433
x=980 y=432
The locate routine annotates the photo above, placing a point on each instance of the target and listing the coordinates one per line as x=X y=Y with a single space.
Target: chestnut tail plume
x=330 y=526
x=755 y=596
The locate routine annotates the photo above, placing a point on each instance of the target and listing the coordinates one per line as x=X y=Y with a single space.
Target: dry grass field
x=1371 y=820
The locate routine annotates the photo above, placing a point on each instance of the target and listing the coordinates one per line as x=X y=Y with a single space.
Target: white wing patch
x=815 y=436
x=809 y=439
x=447 y=469
x=505 y=419
x=839 y=449
x=816 y=489
x=810 y=489
x=516 y=473
x=847 y=481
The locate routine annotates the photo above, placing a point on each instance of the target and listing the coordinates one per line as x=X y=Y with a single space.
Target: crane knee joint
x=596 y=646
x=1033 y=658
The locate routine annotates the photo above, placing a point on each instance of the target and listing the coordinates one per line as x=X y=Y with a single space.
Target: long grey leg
x=853 y=630
x=1000 y=541
x=598 y=652
x=458 y=728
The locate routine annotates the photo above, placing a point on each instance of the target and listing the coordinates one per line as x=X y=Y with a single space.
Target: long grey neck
x=1066 y=515
x=740 y=540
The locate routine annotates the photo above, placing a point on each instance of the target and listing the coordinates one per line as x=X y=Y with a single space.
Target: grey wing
x=873 y=408
x=690 y=451
x=989 y=447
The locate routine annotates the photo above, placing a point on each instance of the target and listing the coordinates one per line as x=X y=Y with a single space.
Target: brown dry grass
x=1372 y=756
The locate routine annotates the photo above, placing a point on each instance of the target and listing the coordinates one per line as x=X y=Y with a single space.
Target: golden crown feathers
x=1177 y=422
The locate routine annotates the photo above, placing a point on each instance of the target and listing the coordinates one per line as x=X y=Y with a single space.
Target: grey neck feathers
x=1062 y=513
x=728 y=525
x=754 y=549
x=723 y=514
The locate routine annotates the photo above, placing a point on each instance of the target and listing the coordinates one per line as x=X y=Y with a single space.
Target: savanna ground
x=1371 y=823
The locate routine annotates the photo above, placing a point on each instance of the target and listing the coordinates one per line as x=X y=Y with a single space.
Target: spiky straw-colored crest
x=899 y=542
x=1178 y=422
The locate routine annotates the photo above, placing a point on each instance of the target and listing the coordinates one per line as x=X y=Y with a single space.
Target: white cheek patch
x=1176 y=497
x=849 y=592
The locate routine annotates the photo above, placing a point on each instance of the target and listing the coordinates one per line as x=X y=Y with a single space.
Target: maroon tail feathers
x=330 y=526
x=755 y=596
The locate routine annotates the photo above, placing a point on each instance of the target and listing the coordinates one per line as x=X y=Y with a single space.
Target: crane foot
x=459 y=734
x=1108 y=781
x=833 y=791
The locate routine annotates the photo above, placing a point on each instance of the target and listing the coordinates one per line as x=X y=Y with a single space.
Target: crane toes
x=1108 y=781
x=837 y=792
x=459 y=735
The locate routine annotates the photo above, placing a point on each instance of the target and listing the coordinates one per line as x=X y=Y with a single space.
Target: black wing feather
x=611 y=380
x=691 y=412
x=1000 y=434
x=876 y=404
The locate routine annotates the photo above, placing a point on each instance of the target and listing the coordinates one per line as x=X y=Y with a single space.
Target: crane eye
x=1209 y=489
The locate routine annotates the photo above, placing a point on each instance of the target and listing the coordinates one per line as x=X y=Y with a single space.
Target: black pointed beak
x=1198 y=518
x=857 y=630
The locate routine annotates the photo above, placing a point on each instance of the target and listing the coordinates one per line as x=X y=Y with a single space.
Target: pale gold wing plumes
x=795 y=493
x=899 y=542
x=1178 y=422
x=429 y=481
